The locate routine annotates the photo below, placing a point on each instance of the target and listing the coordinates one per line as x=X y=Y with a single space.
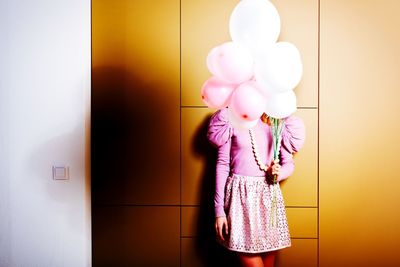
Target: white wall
x=44 y=118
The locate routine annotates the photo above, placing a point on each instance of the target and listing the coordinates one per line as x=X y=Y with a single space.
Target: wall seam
x=180 y=132
x=90 y=137
x=318 y=134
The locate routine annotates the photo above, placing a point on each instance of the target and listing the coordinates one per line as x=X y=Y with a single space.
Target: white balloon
x=278 y=68
x=238 y=123
x=281 y=105
x=255 y=24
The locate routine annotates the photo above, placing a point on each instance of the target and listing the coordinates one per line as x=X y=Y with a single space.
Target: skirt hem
x=258 y=251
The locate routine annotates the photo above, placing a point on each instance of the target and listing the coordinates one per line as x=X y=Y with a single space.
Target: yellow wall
x=153 y=168
x=360 y=102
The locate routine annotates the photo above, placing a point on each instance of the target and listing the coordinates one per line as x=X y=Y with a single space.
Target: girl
x=244 y=187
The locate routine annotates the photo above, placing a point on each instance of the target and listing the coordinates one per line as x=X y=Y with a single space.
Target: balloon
x=247 y=102
x=279 y=68
x=211 y=57
x=231 y=62
x=239 y=123
x=254 y=24
x=281 y=105
x=216 y=93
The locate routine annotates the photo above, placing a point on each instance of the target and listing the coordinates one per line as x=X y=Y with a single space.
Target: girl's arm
x=222 y=173
x=287 y=164
x=293 y=138
x=219 y=134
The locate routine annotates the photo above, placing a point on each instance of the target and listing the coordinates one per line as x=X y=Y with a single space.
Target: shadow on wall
x=131 y=120
x=135 y=169
x=131 y=160
x=209 y=251
x=109 y=128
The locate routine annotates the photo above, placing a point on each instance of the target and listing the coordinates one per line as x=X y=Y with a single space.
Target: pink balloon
x=247 y=102
x=231 y=62
x=211 y=59
x=216 y=93
x=240 y=123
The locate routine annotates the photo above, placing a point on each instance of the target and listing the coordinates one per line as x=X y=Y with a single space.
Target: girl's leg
x=269 y=258
x=250 y=260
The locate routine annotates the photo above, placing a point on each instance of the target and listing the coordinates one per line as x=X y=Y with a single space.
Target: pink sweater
x=235 y=153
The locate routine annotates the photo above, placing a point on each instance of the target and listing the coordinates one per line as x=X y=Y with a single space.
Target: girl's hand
x=221 y=227
x=275 y=168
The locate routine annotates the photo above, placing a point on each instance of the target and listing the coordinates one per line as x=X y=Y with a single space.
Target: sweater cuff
x=286 y=171
x=219 y=211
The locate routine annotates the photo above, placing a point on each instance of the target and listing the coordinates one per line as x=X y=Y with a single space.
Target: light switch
x=60 y=171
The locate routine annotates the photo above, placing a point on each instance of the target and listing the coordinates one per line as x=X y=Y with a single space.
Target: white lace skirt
x=248 y=205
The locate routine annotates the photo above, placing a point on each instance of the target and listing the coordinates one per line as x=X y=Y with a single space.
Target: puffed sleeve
x=219 y=130
x=293 y=138
x=293 y=134
x=219 y=134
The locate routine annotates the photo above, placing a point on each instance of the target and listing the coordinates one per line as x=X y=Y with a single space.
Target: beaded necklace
x=262 y=166
x=276 y=127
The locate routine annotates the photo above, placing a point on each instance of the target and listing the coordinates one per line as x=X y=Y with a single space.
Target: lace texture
x=247 y=204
